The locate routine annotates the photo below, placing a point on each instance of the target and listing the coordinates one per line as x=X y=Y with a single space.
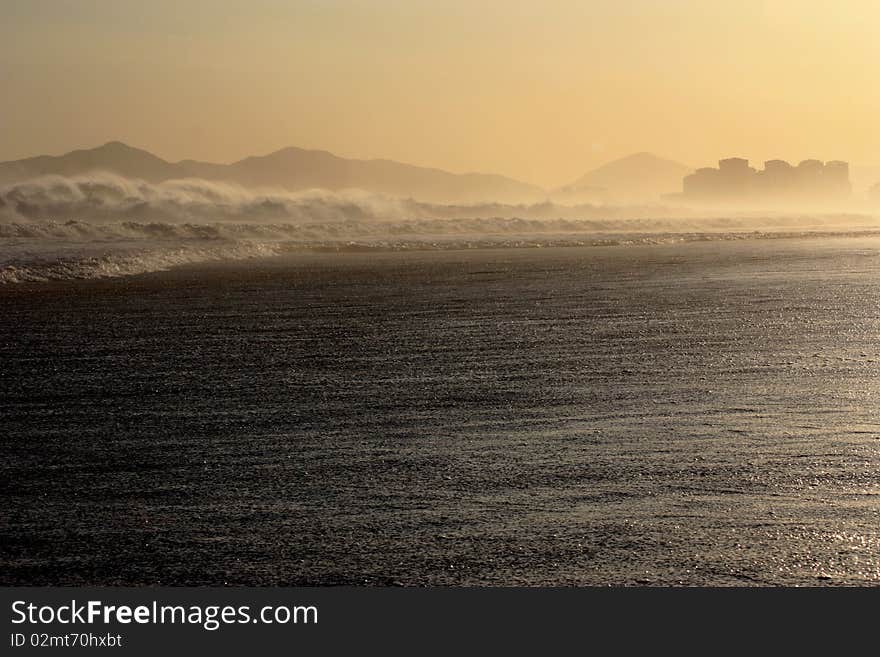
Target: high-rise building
x=735 y=180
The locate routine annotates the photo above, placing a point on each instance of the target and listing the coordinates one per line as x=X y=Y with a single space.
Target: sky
x=539 y=90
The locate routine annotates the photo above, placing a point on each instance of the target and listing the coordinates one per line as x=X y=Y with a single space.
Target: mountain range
x=640 y=176
x=292 y=169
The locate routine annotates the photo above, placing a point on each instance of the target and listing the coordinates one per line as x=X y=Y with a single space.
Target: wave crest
x=104 y=225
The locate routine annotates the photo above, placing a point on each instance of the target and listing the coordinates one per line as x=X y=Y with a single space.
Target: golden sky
x=541 y=90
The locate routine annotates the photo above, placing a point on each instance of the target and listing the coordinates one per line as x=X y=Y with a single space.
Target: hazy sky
x=542 y=90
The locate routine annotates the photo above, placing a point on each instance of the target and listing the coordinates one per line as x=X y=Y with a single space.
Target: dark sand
x=693 y=414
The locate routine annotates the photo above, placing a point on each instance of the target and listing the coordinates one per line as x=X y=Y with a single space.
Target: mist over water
x=105 y=225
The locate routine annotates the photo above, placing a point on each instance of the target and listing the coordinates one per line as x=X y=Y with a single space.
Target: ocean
x=680 y=411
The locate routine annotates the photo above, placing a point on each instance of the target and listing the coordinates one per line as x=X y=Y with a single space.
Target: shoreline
x=286 y=250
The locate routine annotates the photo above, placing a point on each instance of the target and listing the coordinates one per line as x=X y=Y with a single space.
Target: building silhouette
x=735 y=180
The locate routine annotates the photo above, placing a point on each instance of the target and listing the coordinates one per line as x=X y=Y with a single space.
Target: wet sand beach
x=691 y=414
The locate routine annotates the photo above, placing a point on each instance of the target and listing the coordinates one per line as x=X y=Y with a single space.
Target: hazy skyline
x=540 y=91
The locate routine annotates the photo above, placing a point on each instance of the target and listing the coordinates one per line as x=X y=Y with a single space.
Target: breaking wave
x=103 y=225
x=81 y=264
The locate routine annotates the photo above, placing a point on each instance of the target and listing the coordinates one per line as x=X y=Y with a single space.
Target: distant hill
x=641 y=176
x=113 y=156
x=293 y=169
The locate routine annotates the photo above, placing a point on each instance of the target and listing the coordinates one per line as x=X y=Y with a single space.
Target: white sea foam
x=74 y=264
x=103 y=225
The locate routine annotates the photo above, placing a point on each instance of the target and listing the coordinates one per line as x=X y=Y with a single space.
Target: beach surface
x=703 y=413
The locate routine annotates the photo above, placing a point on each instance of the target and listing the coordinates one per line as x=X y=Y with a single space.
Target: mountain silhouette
x=113 y=156
x=293 y=169
x=640 y=176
